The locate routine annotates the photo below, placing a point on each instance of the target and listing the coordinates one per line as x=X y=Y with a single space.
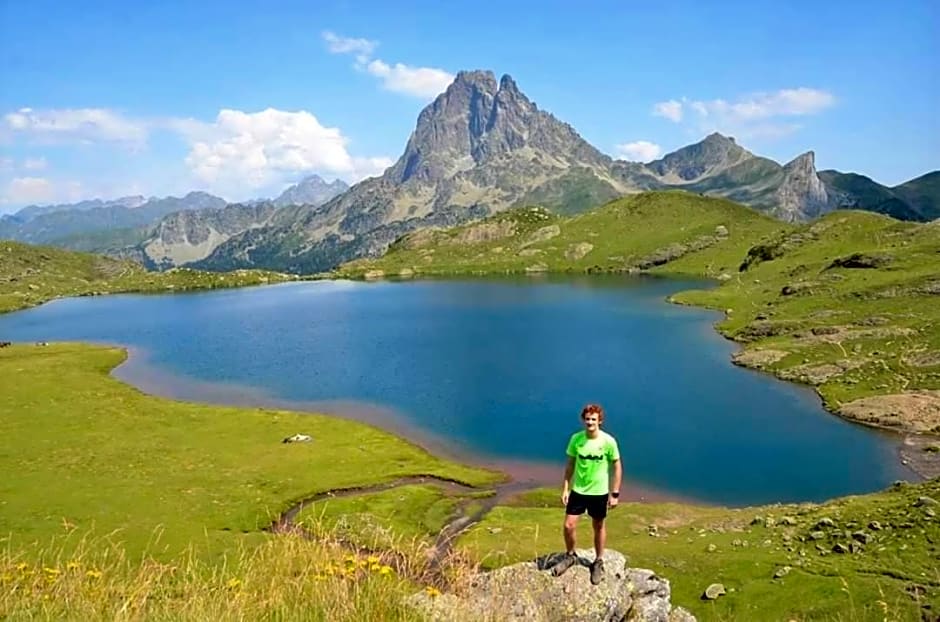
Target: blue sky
x=103 y=99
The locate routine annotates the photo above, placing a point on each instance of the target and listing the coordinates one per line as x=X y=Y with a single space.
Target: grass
x=84 y=451
x=894 y=577
x=168 y=500
x=286 y=578
x=31 y=275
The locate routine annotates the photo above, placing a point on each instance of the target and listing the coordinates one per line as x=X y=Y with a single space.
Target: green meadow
x=115 y=504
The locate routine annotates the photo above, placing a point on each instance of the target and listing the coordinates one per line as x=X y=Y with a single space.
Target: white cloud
x=423 y=82
x=639 y=151
x=362 y=48
x=35 y=164
x=671 y=110
x=785 y=102
x=243 y=151
x=85 y=125
x=22 y=190
x=418 y=81
x=765 y=115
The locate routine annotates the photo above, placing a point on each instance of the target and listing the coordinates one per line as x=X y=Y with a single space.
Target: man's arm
x=566 y=486
x=615 y=484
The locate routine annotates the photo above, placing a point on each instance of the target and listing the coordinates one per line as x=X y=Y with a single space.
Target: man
x=593 y=457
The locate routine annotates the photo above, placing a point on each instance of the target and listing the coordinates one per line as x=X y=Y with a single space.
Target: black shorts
x=596 y=505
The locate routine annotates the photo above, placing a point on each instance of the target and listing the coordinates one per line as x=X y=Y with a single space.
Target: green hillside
x=31 y=275
x=628 y=234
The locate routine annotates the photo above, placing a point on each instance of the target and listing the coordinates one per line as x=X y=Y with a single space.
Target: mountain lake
x=495 y=371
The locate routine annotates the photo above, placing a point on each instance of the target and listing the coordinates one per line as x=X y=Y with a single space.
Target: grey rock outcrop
x=802 y=195
x=709 y=157
x=528 y=591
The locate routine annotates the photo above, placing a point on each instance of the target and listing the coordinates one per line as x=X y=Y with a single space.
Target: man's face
x=591 y=422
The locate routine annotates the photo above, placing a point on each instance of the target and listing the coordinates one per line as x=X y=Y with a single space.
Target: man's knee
x=571 y=521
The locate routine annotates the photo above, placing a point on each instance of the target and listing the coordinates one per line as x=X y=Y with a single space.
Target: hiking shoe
x=597 y=571
x=566 y=562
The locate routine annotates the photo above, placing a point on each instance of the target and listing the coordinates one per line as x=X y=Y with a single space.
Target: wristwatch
x=615 y=494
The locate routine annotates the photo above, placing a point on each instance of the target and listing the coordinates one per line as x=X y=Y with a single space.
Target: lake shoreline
x=137 y=372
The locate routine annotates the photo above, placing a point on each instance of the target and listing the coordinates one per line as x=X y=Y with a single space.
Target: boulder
x=713 y=591
x=579 y=250
x=529 y=591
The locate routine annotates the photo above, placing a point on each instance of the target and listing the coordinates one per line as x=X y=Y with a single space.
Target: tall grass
x=288 y=577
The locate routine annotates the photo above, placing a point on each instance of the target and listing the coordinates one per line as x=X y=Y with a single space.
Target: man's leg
x=570 y=531
x=570 y=558
x=600 y=536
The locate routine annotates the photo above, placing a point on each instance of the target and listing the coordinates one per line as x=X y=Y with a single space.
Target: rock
x=724 y=276
x=577 y=251
x=861 y=536
x=406 y=273
x=529 y=591
x=840 y=548
x=543 y=233
x=797 y=288
x=713 y=591
x=372 y=275
x=874 y=525
x=758 y=359
x=861 y=260
x=915 y=411
x=486 y=232
x=711 y=548
x=788 y=521
x=922 y=501
x=721 y=231
x=537 y=267
x=782 y=572
x=529 y=252
x=816 y=535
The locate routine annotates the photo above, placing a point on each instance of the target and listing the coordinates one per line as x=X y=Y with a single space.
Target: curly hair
x=596 y=409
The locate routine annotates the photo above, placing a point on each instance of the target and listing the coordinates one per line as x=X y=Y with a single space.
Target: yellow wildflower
x=6 y=577
x=385 y=570
x=51 y=571
x=350 y=559
x=372 y=559
x=22 y=566
x=93 y=574
x=374 y=568
x=73 y=565
x=432 y=591
x=233 y=583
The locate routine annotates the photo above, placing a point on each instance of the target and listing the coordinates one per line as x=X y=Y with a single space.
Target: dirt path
x=458 y=523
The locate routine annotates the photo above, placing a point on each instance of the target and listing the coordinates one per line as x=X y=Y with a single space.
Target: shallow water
x=498 y=369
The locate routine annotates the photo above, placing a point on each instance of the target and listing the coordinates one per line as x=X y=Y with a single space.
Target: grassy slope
x=85 y=450
x=840 y=297
x=31 y=275
x=625 y=231
x=622 y=233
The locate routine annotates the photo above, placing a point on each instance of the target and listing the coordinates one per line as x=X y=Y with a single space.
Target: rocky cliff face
x=801 y=195
x=188 y=236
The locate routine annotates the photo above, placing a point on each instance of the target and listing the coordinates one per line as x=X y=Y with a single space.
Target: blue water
x=501 y=368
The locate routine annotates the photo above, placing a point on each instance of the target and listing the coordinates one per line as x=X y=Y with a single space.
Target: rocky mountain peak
x=714 y=153
x=311 y=190
x=476 y=121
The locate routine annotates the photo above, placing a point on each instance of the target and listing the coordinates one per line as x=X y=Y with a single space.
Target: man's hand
x=612 y=501
x=564 y=497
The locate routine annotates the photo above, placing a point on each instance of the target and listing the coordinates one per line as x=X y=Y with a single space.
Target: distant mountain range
x=480 y=147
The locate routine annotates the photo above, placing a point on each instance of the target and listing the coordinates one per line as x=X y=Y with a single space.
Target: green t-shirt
x=592 y=458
